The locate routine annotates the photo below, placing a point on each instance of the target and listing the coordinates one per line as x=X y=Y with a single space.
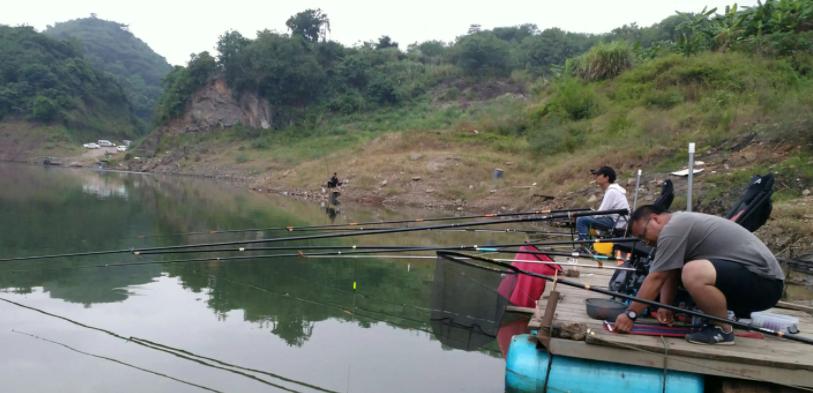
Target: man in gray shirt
x=721 y=264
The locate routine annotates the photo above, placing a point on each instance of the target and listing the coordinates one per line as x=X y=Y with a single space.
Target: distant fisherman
x=722 y=265
x=615 y=197
x=334 y=181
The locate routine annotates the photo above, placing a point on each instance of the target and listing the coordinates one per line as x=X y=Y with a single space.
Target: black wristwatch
x=632 y=315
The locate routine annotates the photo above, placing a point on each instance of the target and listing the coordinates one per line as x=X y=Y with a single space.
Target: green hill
x=738 y=83
x=110 y=47
x=49 y=82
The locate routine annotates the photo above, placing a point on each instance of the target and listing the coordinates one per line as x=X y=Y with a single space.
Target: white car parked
x=105 y=143
x=121 y=148
x=91 y=145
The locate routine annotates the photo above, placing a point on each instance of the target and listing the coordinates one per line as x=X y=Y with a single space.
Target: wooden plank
x=518 y=309
x=583 y=350
x=795 y=306
x=768 y=352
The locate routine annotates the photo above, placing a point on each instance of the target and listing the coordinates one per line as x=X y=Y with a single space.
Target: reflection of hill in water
x=54 y=211
x=290 y=295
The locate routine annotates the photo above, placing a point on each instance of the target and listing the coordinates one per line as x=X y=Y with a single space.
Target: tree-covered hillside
x=109 y=46
x=301 y=72
x=49 y=81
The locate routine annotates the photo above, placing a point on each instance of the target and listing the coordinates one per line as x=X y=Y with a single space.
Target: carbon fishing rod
x=391 y=247
x=424 y=257
x=367 y=253
x=137 y=251
x=502 y=267
x=493 y=230
x=292 y=228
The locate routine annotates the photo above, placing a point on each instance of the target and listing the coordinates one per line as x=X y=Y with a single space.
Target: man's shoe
x=711 y=334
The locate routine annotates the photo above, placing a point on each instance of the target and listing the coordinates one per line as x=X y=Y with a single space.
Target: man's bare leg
x=699 y=278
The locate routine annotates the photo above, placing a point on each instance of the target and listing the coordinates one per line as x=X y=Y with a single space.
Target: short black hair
x=606 y=171
x=643 y=212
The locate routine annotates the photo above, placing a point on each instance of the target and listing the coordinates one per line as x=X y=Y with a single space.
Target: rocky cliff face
x=216 y=106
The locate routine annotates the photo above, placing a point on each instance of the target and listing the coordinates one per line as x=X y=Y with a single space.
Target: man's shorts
x=744 y=290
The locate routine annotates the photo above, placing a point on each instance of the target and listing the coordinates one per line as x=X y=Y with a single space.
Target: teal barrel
x=531 y=369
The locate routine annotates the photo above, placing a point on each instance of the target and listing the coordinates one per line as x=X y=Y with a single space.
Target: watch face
x=632 y=314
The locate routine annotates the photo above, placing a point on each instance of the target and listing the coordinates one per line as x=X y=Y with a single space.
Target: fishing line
x=502 y=267
x=135 y=251
x=179 y=352
x=123 y=363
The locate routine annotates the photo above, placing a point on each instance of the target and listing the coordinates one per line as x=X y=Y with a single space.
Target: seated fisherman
x=334 y=181
x=614 y=198
x=721 y=264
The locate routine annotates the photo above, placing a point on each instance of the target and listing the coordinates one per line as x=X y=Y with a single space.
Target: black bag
x=754 y=207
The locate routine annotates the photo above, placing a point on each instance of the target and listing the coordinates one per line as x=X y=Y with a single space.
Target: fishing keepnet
x=468 y=301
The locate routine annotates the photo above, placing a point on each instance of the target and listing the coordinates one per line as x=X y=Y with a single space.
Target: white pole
x=691 y=177
x=637 y=187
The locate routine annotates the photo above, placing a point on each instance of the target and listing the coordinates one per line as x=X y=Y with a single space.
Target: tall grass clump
x=603 y=61
x=570 y=99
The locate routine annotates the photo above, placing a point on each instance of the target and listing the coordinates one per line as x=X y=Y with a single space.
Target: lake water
x=297 y=323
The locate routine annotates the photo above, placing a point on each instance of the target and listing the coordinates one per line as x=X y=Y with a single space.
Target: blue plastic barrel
x=531 y=369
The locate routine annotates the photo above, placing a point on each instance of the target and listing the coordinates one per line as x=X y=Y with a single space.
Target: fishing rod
x=341 y=254
x=494 y=230
x=137 y=251
x=391 y=247
x=501 y=267
x=292 y=228
x=353 y=251
x=496 y=259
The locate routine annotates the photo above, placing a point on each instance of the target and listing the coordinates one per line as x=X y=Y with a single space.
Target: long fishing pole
x=458 y=258
x=391 y=247
x=137 y=251
x=369 y=253
x=424 y=257
x=292 y=228
x=495 y=230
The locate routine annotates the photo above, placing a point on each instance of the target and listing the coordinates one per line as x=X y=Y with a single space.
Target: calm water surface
x=297 y=320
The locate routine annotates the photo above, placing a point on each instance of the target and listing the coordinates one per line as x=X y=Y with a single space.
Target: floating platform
x=765 y=359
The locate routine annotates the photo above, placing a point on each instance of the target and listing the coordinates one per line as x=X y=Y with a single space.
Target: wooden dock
x=767 y=359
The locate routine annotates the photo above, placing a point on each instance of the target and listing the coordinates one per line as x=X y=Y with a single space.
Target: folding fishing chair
x=754 y=207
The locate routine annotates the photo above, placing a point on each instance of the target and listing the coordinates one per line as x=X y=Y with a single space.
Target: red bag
x=523 y=290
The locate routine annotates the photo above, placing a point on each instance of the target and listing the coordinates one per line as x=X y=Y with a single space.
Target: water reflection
x=294 y=298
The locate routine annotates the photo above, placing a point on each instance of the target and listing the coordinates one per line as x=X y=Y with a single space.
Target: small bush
x=663 y=99
x=348 y=102
x=44 y=109
x=603 y=61
x=573 y=100
x=241 y=158
x=556 y=138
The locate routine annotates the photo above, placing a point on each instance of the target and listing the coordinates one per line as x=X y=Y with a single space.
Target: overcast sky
x=177 y=28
